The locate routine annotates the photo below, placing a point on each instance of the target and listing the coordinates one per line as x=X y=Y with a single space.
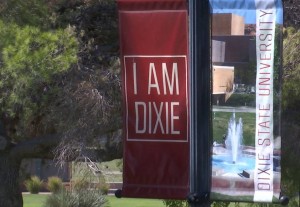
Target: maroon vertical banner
x=154 y=58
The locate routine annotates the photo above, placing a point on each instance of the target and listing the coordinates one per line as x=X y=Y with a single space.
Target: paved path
x=234 y=109
x=112 y=172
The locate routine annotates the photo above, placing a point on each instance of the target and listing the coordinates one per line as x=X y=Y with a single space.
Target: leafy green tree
x=59 y=84
x=291 y=112
x=30 y=59
x=30 y=12
x=291 y=61
x=291 y=13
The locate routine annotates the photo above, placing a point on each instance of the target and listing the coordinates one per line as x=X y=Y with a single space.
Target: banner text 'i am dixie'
x=156 y=98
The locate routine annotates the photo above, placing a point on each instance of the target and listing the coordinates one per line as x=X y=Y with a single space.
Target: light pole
x=200 y=130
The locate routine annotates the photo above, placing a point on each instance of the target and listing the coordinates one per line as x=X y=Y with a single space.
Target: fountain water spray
x=234 y=137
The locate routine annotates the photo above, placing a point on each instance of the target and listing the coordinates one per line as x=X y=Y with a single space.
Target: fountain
x=230 y=160
x=234 y=137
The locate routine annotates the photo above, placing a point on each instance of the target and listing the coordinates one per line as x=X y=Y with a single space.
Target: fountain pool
x=230 y=158
x=225 y=163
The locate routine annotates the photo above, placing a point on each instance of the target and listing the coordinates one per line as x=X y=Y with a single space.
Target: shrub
x=241 y=100
x=33 y=185
x=76 y=198
x=54 y=184
x=119 y=165
x=104 y=188
x=61 y=199
x=80 y=184
x=222 y=204
x=90 y=198
x=175 y=203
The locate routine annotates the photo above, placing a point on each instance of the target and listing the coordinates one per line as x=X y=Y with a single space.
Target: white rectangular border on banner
x=132 y=139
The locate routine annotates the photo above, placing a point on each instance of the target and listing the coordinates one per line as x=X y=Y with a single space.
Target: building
x=233 y=46
x=223 y=77
x=228 y=24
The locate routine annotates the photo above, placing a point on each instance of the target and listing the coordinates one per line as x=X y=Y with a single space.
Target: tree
x=59 y=84
x=291 y=13
x=291 y=61
x=69 y=102
x=291 y=111
x=29 y=59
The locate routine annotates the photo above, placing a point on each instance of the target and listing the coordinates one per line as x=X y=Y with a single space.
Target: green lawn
x=134 y=202
x=38 y=201
x=34 y=200
x=220 y=126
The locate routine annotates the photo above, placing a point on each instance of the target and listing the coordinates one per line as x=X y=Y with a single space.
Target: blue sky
x=244 y=8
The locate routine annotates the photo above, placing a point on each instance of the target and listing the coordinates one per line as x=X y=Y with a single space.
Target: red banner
x=154 y=48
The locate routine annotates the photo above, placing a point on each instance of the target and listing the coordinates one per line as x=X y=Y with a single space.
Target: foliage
x=290 y=98
x=291 y=13
x=78 y=198
x=104 y=188
x=29 y=12
x=120 y=165
x=181 y=203
x=64 y=78
x=175 y=203
x=59 y=80
x=220 y=204
x=85 y=177
x=291 y=112
x=82 y=173
x=82 y=194
x=30 y=60
x=241 y=100
x=80 y=184
x=54 y=184
x=91 y=102
x=290 y=154
x=291 y=65
x=294 y=202
x=33 y=185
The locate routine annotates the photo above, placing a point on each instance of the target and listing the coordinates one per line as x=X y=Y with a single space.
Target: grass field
x=34 y=200
x=134 y=202
x=38 y=201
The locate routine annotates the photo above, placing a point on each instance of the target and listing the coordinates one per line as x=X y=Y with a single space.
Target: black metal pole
x=200 y=160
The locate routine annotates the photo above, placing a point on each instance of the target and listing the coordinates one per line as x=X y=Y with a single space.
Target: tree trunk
x=11 y=155
x=10 y=193
x=10 y=162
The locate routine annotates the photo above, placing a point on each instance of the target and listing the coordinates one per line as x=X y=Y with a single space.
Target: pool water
x=225 y=162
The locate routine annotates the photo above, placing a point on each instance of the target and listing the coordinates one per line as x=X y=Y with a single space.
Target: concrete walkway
x=245 y=109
